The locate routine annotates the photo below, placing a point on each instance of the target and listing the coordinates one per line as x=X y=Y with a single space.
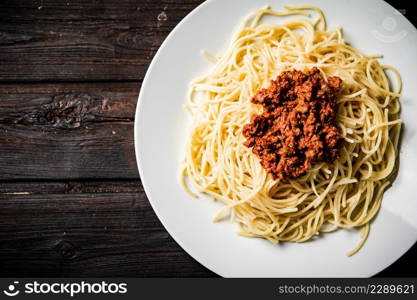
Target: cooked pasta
x=346 y=193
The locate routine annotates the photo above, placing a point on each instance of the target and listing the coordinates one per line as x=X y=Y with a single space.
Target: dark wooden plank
x=96 y=228
x=69 y=187
x=87 y=234
x=67 y=131
x=83 y=40
x=76 y=40
x=82 y=131
x=90 y=229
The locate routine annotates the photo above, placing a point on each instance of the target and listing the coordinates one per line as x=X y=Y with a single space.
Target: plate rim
x=143 y=179
x=136 y=133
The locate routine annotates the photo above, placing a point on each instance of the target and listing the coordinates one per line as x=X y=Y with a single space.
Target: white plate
x=373 y=26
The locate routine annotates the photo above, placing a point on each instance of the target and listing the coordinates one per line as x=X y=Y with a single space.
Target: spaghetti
x=346 y=193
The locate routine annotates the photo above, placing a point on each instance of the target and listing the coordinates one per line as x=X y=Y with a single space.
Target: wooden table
x=71 y=201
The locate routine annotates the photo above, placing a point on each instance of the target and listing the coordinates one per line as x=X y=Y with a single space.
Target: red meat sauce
x=297 y=125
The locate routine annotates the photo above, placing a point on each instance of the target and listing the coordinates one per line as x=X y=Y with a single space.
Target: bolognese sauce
x=297 y=125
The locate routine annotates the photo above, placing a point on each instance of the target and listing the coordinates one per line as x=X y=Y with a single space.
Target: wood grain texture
x=81 y=235
x=82 y=40
x=96 y=229
x=67 y=131
x=71 y=201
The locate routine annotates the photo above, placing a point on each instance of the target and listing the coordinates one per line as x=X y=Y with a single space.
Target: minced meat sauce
x=297 y=126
